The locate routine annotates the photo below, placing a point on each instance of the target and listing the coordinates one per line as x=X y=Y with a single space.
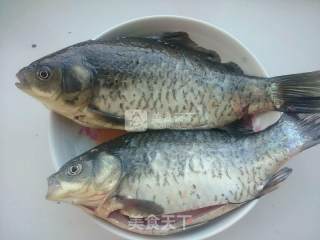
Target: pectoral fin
x=107 y=116
x=135 y=208
x=240 y=127
x=107 y=207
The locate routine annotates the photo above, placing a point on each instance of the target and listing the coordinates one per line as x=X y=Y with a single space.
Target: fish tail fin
x=299 y=93
x=309 y=127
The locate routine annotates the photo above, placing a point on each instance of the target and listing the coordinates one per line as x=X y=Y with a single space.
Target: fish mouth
x=22 y=81
x=19 y=85
x=54 y=192
x=52 y=195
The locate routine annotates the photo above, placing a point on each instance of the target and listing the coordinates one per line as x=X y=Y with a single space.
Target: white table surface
x=284 y=36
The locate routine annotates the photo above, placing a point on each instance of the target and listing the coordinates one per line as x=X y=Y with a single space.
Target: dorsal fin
x=182 y=40
x=233 y=67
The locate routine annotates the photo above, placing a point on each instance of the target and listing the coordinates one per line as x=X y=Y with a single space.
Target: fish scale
x=182 y=83
x=219 y=153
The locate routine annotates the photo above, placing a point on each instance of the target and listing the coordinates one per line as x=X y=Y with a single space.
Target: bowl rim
x=129 y=235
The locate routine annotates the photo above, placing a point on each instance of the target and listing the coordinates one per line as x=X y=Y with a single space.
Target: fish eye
x=43 y=73
x=74 y=169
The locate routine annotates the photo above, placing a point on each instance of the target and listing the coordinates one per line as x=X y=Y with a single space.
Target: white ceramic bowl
x=66 y=142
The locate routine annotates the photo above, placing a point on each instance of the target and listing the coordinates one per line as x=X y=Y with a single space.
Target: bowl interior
x=67 y=141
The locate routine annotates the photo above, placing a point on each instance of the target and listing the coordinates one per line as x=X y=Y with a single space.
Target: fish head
x=40 y=79
x=64 y=77
x=85 y=180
